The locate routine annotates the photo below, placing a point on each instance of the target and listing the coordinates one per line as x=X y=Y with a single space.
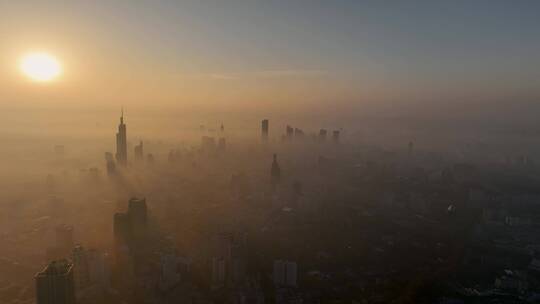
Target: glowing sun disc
x=40 y=66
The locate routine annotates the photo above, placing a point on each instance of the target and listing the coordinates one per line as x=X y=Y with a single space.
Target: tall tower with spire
x=121 y=142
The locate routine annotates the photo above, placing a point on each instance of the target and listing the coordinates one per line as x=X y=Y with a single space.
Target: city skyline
x=269 y=152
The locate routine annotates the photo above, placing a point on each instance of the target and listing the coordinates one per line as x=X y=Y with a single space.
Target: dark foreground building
x=132 y=224
x=55 y=284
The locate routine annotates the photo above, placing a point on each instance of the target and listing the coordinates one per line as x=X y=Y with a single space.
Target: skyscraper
x=110 y=164
x=132 y=224
x=264 y=129
x=122 y=229
x=137 y=212
x=90 y=268
x=81 y=273
x=139 y=152
x=55 y=284
x=121 y=143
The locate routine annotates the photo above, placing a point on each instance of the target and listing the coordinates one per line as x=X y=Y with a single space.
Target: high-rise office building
x=121 y=142
x=90 y=268
x=55 y=284
x=228 y=259
x=139 y=152
x=110 y=164
x=264 y=129
x=130 y=225
x=122 y=229
x=81 y=272
x=137 y=212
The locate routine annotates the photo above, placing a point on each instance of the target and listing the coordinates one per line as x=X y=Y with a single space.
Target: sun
x=40 y=66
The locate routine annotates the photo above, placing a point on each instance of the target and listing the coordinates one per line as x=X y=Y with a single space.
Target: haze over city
x=269 y=151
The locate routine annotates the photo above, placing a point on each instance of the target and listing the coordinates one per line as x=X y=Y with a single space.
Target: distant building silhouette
x=285 y=273
x=322 y=135
x=122 y=229
x=275 y=172
x=110 y=164
x=55 y=284
x=228 y=265
x=90 y=268
x=137 y=212
x=150 y=159
x=139 y=152
x=173 y=268
x=298 y=133
x=132 y=224
x=289 y=132
x=264 y=129
x=335 y=136
x=121 y=143
x=218 y=272
x=80 y=267
x=207 y=141
x=208 y=144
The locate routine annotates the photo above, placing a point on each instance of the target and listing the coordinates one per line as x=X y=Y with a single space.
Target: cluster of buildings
x=296 y=133
x=360 y=225
x=82 y=276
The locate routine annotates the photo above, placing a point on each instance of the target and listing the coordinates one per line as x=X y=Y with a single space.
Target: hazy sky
x=275 y=54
